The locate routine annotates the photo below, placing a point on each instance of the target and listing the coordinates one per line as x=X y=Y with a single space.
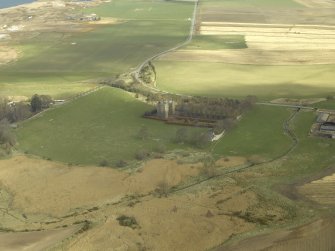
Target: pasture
x=97 y=127
x=55 y=62
x=259 y=134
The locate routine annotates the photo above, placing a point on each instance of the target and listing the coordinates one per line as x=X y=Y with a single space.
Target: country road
x=288 y=106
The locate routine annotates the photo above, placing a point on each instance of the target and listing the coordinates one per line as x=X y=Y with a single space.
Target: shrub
x=127 y=221
x=142 y=154
x=103 y=163
x=162 y=189
x=160 y=148
x=121 y=163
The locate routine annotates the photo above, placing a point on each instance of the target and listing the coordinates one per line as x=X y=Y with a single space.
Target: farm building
x=325 y=124
x=323 y=117
x=91 y=17
x=328 y=127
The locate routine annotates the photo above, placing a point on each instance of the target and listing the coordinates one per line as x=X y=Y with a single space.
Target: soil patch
x=35 y=241
x=7 y=55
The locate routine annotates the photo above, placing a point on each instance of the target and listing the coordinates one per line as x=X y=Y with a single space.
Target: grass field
x=266 y=82
x=260 y=133
x=148 y=27
x=100 y=126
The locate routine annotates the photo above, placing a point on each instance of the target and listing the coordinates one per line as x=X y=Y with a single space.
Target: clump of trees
x=148 y=73
x=40 y=102
x=183 y=136
x=18 y=111
x=14 y=112
x=214 y=108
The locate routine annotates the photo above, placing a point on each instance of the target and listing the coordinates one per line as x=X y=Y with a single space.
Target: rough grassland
x=219 y=79
x=100 y=126
x=259 y=133
x=103 y=52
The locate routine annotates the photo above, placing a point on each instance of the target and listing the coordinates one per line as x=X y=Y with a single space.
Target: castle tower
x=172 y=107
x=163 y=109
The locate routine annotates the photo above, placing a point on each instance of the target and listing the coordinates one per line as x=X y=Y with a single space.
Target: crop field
x=104 y=51
x=100 y=126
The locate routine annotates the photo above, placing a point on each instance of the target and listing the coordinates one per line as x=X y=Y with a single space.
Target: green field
x=260 y=133
x=100 y=126
x=266 y=82
x=50 y=60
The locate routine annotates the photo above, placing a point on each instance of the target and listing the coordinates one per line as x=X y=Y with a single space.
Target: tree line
x=12 y=112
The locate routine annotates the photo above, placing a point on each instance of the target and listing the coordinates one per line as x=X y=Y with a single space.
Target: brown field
x=266 y=37
x=268 y=44
x=46 y=187
x=44 y=195
x=321 y=191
